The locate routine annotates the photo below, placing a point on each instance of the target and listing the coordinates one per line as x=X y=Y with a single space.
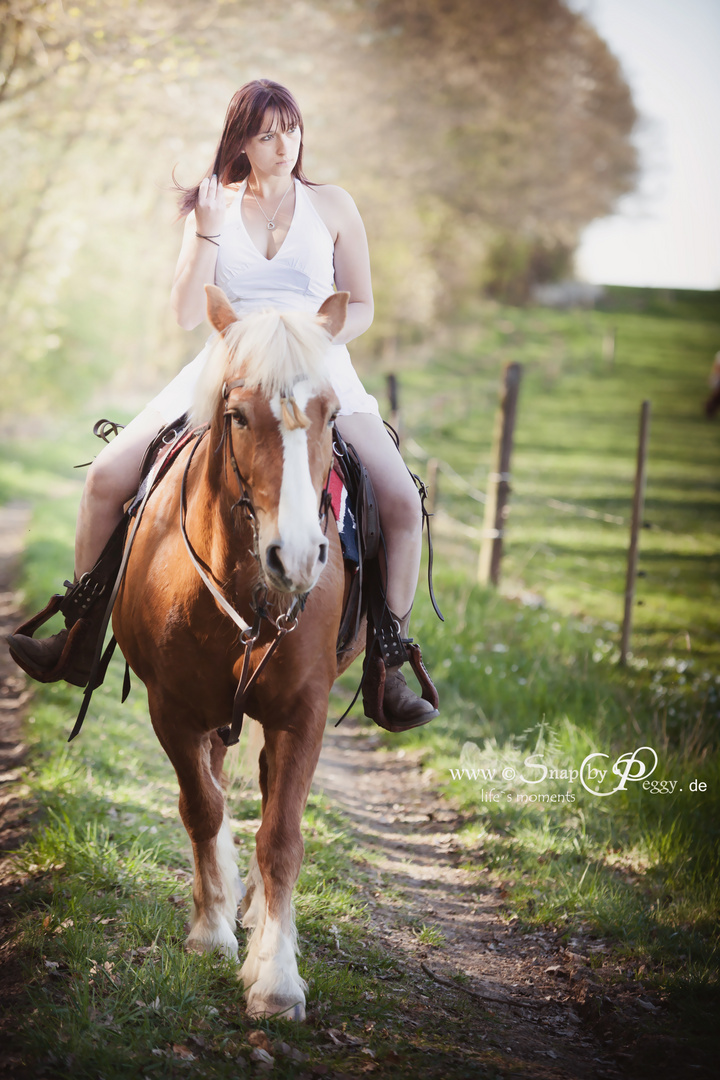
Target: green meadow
x=530 y=673
x=528 y=678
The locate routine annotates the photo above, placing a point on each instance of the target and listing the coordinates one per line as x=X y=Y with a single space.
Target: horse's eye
x=333 y=417
x=239 y=419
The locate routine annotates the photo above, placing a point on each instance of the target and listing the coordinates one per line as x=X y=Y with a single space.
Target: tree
x=525 y=113
x=477 y=138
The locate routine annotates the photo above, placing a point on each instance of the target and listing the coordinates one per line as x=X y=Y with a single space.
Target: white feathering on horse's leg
x=210 y=931
x=233 y=887
x=214 y=928
x=254 y=920
x=273 y=983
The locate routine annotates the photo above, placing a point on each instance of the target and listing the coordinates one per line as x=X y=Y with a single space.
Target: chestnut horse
x=257 y=536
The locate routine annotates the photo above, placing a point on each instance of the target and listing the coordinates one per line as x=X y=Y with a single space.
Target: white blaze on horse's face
x=294 y=557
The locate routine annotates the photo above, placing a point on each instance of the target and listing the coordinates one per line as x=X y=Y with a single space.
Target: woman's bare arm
x=196 y=262
x=352 y=258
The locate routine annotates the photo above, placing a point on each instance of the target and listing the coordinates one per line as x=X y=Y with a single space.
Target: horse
x=236 y=536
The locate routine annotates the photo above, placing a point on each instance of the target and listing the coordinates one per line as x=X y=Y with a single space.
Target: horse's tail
x=250 y=752
x=242 y=770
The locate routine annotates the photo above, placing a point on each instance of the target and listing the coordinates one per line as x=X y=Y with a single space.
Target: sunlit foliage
x=462 y=129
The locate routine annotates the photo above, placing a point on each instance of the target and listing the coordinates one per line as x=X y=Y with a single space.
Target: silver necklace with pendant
x=270 y=220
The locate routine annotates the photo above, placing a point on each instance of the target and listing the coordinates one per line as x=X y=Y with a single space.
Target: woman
x=268 y=237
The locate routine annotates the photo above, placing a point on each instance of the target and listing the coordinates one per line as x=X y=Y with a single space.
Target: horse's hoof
x=208 y=938
x=282 y=1008
x=221 y=947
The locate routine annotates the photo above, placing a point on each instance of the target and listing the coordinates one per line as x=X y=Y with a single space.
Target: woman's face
x=273 y=152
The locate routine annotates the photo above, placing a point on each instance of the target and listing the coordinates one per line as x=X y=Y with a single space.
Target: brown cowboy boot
x=69 y=654
x=402 y=705
x=387 y=698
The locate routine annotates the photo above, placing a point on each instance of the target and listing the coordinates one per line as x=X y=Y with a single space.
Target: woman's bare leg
x=113 y=478
x=398 y=503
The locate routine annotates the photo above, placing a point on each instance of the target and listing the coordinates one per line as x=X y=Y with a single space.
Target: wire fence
x=446 y=482
x=418 y=453
x=464 y=487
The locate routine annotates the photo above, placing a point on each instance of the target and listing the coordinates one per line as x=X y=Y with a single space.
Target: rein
x=202 y=568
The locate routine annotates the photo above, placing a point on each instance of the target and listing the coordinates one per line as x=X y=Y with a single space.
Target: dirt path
x=14 y=520
x=15 y=811
x=543 y=998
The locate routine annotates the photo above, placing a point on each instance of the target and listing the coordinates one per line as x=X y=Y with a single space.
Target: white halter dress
x=298 y=278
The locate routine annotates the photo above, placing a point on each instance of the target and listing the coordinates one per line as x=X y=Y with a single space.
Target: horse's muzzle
x=294 y=571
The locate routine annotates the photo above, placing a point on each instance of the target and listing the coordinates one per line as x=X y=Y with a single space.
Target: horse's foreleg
x=217 y=889
x=270 y=973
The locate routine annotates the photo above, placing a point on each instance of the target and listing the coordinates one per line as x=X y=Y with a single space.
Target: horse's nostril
x=273 y=560
x=323 y=553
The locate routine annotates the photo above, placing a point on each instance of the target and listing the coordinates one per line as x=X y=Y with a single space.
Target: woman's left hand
x=210 y=207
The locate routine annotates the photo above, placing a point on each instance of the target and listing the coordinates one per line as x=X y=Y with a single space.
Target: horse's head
x=267 y=389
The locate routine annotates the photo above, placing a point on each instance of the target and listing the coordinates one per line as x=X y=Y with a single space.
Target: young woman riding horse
x=269 y=238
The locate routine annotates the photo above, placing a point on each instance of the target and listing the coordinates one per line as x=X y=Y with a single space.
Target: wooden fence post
x=609 y=346
x=498 y=488
x=635 y=526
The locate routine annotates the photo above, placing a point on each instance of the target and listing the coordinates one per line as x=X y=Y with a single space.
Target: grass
x=575 y=445
x=532 y=670
x=103 y=911
x=527 y=676
x=429 y=935
x=544 y=700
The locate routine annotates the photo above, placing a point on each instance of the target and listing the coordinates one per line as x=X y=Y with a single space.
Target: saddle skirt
x=344 y=516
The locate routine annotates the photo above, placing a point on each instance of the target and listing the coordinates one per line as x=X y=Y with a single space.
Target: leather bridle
x=285 y=622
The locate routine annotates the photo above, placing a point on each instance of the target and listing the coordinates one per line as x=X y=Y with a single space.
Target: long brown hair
x=243 y=119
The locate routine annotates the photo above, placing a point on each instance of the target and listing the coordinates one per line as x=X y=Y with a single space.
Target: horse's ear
x=219 y=312
x=333 y=312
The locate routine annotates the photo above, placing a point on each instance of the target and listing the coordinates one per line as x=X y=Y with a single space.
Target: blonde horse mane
x=271 y=351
